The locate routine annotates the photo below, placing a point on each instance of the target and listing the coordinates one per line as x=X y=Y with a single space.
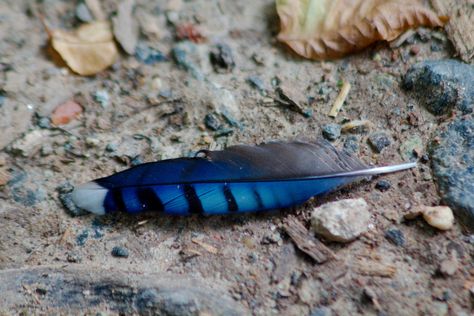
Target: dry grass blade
x=321 y=29
x=341 y=97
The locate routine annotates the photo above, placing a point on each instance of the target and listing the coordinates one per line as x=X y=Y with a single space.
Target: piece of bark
x=373 y=268
x=460 y=27
x=306 y=242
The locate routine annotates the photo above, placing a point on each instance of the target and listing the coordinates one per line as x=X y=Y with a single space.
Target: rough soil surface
x=53 y=262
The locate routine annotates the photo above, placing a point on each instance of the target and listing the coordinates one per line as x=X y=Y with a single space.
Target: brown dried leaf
x=321 y=29
x=88 y=50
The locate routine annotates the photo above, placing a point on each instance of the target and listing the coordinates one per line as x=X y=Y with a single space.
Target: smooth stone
x=341 y=221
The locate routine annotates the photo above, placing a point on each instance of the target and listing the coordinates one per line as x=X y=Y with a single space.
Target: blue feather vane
x=238 y=179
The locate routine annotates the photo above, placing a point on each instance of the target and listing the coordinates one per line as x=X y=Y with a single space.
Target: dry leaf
x=125 y=26
x=88 y=50
x=321 y=29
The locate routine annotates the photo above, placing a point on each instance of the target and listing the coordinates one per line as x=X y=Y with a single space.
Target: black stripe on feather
x=195 y=205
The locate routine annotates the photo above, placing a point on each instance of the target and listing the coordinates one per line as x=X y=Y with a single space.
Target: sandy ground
x=158 y=111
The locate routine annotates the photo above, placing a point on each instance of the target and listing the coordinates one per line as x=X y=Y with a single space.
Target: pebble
x=186 y=55
x=440 y=217
x=321 y=311
x=82 y=237
x=449 y=266
x=120 y=252
x=442 y=85
x=341 y=221
x=452 y=159
x=149 y=55
x=395 y=236
x=73 y=257
x=257 y=83
x=378 y=141
x=212 y=122
x=222 y=58
x=43 y=122
x=411 y=148
x=92 y=142
x=383 y=185
x=331 y=131
x=271 y=238
x=110 y=147
x=102 y=96
x=351 y=144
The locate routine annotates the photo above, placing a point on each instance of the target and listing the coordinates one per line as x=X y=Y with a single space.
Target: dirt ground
x=159 y=111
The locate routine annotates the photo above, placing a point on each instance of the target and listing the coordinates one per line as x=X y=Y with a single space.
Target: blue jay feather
x=238 y=179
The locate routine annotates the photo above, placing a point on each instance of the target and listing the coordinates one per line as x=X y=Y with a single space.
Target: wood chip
x=306 y=242
x=208 y=247
x=373 y=268
x=460 y=27
x=336 y=107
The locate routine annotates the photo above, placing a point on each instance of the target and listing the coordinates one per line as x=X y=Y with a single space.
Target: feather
x=238 y=179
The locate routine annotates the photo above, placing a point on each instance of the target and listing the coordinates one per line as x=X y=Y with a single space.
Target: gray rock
x=72 y=290
x=442 y=85
x=378 y=141
x=331 y=131
x=222 y=58
x=120 y=252
x=395 y=236
x=453 y=167
x=341 y=221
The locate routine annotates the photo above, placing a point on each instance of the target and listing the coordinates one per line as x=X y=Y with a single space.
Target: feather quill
x=238 y=179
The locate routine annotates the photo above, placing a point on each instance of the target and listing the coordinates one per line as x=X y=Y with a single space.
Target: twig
x=336 y=107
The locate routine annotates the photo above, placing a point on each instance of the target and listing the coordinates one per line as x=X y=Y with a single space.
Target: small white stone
x=440 y=217
x=341 y=221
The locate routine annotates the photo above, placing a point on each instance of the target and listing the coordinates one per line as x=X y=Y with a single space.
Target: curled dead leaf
x=321 y=29
x=88 y=50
